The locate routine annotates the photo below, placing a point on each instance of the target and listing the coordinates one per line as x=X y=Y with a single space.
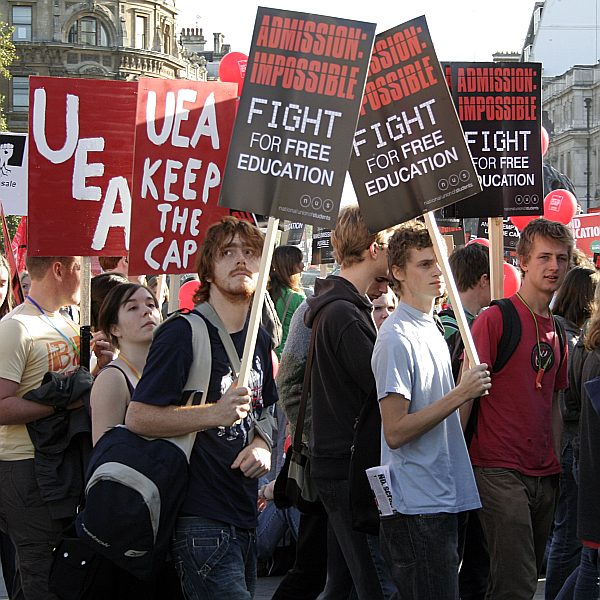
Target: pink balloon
x=512 y=279
x=521 y=222
x=232 y=68
x=545 y=141
x=186 y=294
x=482 y=241
x=560 y=205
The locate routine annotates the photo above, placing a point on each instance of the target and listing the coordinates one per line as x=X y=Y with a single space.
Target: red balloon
x=560 y=205
x=512 y=280
x=521 y=222
x=232 y=68
x=545 y=141
x=186 y=294
x=483 y=241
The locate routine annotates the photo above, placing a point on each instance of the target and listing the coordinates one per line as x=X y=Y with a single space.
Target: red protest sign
x=586 y=231
x=183 y=129
x=80 y=158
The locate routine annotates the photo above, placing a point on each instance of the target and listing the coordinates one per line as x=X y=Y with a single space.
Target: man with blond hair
x=342 y=386
x=516 y=444
x=35 y=338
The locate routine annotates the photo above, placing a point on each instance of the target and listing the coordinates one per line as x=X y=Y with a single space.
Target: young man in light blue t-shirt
x=423 y=445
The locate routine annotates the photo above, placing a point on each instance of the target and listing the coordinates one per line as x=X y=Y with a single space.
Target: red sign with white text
x=183 y=130
x=80 y=161
x=586 y=231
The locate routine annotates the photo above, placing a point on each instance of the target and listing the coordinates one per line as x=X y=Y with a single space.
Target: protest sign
x=292 y=234
x=13 y=173
x=499 y=105
x=80 y=161
x=297 y=115
x=183 y=130
x=586 y=231
x=322 y=250
x=409 y=154
x=510 y=233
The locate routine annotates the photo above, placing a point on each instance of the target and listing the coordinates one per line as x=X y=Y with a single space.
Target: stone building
x=563 y=36
x=101 y=39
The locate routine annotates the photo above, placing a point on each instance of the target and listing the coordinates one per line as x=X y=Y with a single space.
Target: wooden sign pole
x=496 y=237
x=85 y=306
x=439 y=247
x=174 y=286
x=257 y=302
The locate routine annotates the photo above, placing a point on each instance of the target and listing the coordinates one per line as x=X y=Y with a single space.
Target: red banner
x=183 y=130
x=80 y=157
x=19 y=245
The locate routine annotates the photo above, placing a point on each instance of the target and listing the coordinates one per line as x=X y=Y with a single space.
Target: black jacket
x=62 y=441
x=342 y=380
x=588 y=515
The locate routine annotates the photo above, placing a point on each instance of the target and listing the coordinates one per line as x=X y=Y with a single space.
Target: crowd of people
x=492 y=469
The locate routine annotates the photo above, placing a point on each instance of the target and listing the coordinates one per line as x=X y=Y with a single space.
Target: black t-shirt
x=215 y=490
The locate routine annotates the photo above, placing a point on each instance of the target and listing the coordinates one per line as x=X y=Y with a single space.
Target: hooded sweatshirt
x=342 y=380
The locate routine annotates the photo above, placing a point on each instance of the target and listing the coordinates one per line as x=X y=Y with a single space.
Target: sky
x=462 y=30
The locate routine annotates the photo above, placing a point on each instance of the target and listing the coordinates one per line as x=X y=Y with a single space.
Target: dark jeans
x=582 y=584
x=422 y=554
x=565 y=548
x=25 y=518
x=354 y=546
x=516 y=517
x=214 y=560
x=475 y=565
x=306 y=579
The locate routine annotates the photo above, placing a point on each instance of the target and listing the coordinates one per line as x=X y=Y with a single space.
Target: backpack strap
x=511 y=333
x=266 y=423
x=562 y=339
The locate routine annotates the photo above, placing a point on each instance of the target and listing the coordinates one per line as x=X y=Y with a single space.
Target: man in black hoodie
x=342 y=383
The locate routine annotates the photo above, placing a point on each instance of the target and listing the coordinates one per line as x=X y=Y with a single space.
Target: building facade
x=101 y=39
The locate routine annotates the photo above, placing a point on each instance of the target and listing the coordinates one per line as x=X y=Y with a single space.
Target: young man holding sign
x=342 y=388
x=214 y=539
x=515 y=447
x=431 y=478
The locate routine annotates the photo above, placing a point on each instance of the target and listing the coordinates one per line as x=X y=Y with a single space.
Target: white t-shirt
x=431 y=473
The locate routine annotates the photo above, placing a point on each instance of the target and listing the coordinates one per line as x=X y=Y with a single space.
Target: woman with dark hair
x=284 y=286
x=128 y=317
x=573 y=306
x=6 y=295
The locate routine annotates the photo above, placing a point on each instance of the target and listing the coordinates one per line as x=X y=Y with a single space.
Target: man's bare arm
x=15 y=410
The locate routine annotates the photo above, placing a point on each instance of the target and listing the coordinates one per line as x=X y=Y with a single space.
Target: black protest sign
x=499 y=105
x=510 y=233
x=409 y=154
x=322 y=251
x=292 y=233
x=293 y=134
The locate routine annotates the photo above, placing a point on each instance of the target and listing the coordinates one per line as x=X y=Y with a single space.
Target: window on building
x=167 y=40
x=141 y=27
x=20 y=93
x=21 y=20
x=89 y=31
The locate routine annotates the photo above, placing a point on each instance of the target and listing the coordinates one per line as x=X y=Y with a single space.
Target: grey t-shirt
x=431 y=473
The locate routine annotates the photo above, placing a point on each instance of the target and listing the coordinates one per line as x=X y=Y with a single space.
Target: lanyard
x=47 y=318
x=542 y=368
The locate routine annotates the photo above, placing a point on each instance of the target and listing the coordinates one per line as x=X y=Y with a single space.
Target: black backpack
x=511 y=336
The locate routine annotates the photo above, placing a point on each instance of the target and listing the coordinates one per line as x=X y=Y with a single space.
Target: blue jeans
x=565 y=548
x=582 y=584
x=335 y=496
x=272 y=525
x=214 y=560
x=422 y=554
